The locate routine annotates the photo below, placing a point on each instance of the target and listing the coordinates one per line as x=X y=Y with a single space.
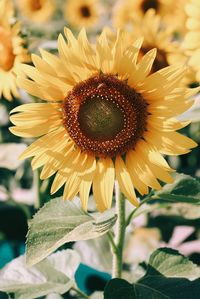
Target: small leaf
x=184 y=189
x=59 y=222
x=171 y=263
x=52 y=275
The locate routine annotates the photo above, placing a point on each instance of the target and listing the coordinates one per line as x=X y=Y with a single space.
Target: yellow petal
x=71 y=186
x=103 y=183
x=124 y=179
x=142 y=170
x=141 y=186
x=145 y=65
x=158 y=172
x=59 y=180
x=84 y=190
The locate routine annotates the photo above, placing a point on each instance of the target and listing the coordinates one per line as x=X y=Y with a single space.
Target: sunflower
x=12 y=53
x=191 y=43
x=192 y=39
x=122 y=13
x=156 y=35
x=83 y=13
x=105 y=117
x=124 y=10
x=37 y=11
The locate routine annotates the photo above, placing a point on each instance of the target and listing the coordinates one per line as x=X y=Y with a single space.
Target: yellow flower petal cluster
x=37 y=11
x=83 y=13
x=156 y=35
x=124 y=10
x=191 y=42
x=139 y=108
x=12 y=51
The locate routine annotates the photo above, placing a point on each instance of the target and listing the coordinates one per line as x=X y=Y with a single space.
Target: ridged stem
x=119 y=233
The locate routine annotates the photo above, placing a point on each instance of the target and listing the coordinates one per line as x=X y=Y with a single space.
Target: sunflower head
x=83 y=13
x=12 y=52
x=37 y=11
x=156 y=35
x=148 y=4
x=191 y=42
x=124 y=10
x=106 y=117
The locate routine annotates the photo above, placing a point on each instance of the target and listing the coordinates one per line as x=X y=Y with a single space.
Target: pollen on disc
x=104 y=116
x=100 y=118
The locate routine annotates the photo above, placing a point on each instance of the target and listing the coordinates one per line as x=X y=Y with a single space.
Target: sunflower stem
x=112 y=242
x=131 y=215
x=120 y=233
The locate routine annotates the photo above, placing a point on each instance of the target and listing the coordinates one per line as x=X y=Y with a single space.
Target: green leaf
x=164 y=279
x=52 y=275
x=172 y=288
x=184 y=189
x=122 y=289
x=59 y=222
x=171 y=263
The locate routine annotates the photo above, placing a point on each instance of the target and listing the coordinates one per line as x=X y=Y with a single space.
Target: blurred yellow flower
x=6 y=12
x=83 y=13
x=192 y=39
x=106 y=117
x=156 y=35
x=191 y=43
x=12 y=52
x=38 y=11
x=124 y=10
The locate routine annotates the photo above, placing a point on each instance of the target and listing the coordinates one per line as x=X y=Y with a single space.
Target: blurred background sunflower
x=63 y=163
x=83 y=13
x=37 y=11
x=12 y=51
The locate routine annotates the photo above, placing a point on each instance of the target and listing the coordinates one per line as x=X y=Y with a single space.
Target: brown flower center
x=35 y=5
x=104 y=116
x=7 y=56
x=160 y=60
x=85 y=11
x=148 y=4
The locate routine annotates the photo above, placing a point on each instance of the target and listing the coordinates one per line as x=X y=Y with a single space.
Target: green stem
x=112 y=242
x=120 y=234
x=136 y=209
x=78 y=291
